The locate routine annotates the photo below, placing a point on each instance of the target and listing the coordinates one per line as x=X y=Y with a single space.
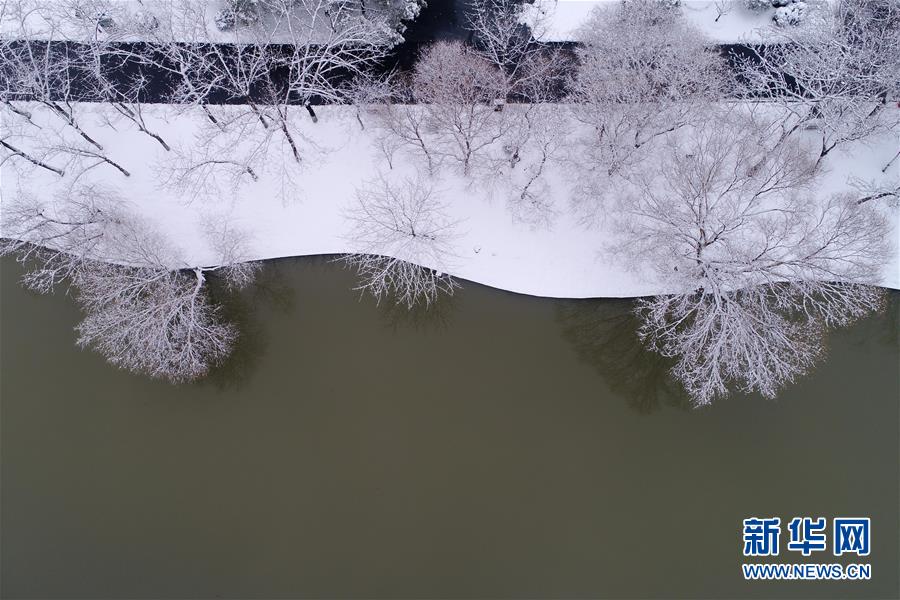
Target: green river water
x=497 y=446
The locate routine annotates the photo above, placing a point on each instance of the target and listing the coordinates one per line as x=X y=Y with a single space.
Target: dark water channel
x=439 y=20
x=501 y=446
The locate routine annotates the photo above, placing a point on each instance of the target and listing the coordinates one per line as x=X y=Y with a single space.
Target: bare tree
x=763 y=265
x=55 y=237
x=43 y=143
x=404 y=239
x=723 y=7
x=836 y=73
x=204 y=171
x=14 y=151
x=81 y=158
x=366 y=92
x=868 y=191
x=236 y=152
x=54 y=76
x=402 y=124
x=534 y=146
x=177 y=47
x=45 y=72
x=144 y=310
x=96 y=59
x=459 y=90
x=149 y=318
x=153 y=321
x=17 y=135
x=758 y=339
x=644 y=73
x=232 y=248
x=297 y=54
x=292 y=52
x=128 y=102
x=504 y=40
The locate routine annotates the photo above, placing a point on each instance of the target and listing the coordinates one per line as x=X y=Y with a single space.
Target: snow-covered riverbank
x=306 y=214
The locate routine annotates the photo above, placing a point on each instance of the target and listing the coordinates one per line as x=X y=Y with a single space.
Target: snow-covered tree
x=45 y=73
x=460 y=90
x=145 y=311
x=238 y=13
x=128 y=101
x=177 y=49
x=762 y=260
x=885 y=191
x=535 y=144
x=55 y=237
x=18 y=132
x=394 y=13
x=448 y=111
x=790 y=15
x=403 y=238
x=54 y=77
x=644 y=72
x=367 y=91
x=503 y=39
x=758 y=5
x=386 y=17
x=723 y=7
x=204 y=171
x=647 y=66
x=152 y=320
x=835 y=73
x=399 y=123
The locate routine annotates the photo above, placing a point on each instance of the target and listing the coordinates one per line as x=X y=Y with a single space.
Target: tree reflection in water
x=603 y=333
x=434 y=317
x=239 y=308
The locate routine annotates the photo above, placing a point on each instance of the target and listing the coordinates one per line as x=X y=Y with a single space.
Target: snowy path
x=307 y=216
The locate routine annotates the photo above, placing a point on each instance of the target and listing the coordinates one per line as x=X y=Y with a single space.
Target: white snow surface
x=308 y=216
x=559 y=20
x=177 y=20
x=553 y=20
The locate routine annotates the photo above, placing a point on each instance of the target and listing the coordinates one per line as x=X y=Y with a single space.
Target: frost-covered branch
x=152 y=320
x=459 y=91
x=404 y=241
x=56 y=237
x=836 y=73
x=644 y=73
x=764 y=260
x=505 y=41
x=145 y=311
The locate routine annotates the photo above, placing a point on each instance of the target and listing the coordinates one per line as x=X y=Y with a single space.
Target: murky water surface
x=498 y=446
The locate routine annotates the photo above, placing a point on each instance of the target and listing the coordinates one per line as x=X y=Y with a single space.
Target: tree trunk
x=72 y=123
x=31 y=159
x=312 y=113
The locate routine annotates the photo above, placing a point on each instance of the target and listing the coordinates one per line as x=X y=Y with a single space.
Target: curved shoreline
x=334 y=257
x=307 y=215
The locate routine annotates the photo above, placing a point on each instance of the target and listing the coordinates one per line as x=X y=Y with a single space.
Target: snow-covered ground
x=194 y=20
x=182 y=20
x=307 y=214
x=559 y=20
